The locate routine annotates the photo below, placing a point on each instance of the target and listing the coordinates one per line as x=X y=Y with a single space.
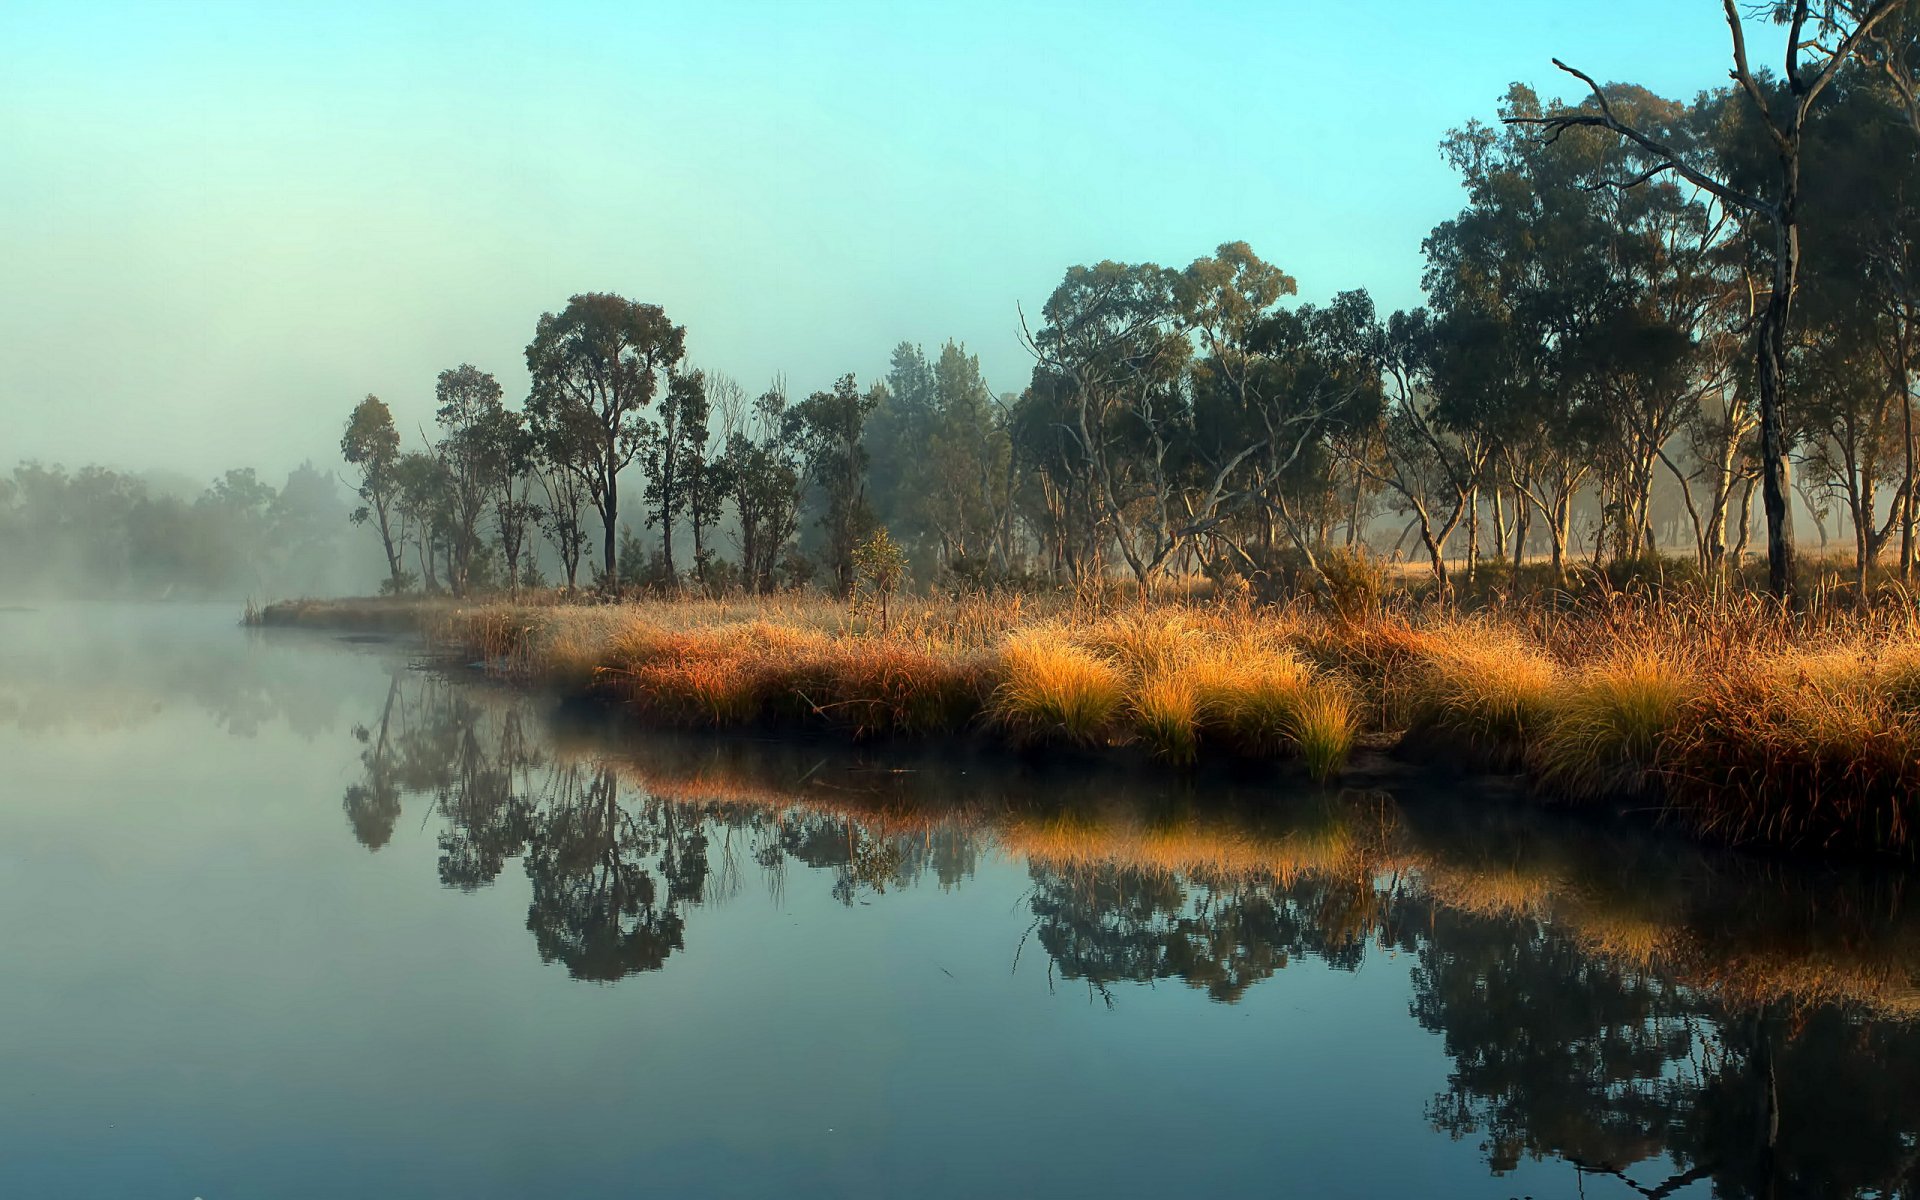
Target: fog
x=223 y=224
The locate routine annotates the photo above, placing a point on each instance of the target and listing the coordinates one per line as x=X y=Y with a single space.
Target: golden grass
x=1166 y=714
x=1486 y=685
x=1052 y=690
x=1740 y=720
x=1606 y=726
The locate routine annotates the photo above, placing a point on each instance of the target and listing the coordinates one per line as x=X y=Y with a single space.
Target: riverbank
x=1738 y=723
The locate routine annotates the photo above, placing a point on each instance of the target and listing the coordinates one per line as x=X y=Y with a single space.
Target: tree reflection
x=595 y=906
x=1557 y=1054
x=1107 y=924
x=1560 y=1049
x=373 y=805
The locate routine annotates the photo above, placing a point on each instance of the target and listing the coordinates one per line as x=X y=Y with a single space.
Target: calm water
x=287 y=917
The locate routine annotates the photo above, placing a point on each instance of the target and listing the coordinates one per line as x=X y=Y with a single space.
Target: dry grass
x=1484 y=685
x=1739 y=719
x=1053 y=691
x=1607 y=726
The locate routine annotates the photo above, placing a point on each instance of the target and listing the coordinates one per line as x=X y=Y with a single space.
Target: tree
x=1785 y=119
x=1111 y=354
x=707 y=481
x=596 y=366
x=898 y=434
x=674 y=456
x=508 y=459
x=372 y=444
x=422 y=499
x=469 y=413
x=563 y=517
x=965 y=457
x=830 y=428
x=761 y=472
x=1427 y=463
x=879 y=563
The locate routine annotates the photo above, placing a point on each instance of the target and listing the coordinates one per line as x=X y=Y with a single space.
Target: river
x=289 y=914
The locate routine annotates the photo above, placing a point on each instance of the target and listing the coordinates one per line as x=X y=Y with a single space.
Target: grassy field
x=1732 y=718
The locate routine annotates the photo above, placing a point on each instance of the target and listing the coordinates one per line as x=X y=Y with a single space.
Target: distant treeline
x=97 y=532
x=1595 y=347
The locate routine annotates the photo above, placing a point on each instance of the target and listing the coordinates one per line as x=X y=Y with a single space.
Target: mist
x=222 y=225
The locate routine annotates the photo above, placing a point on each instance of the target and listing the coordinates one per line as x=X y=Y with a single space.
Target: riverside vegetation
x=1733 y=719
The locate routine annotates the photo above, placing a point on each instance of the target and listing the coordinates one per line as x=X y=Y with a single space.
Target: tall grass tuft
x=1605 y=729
x=1323 y=730
x=1486 y=686
x=1052 y=690
x=1250 y=697
x=1166 y=717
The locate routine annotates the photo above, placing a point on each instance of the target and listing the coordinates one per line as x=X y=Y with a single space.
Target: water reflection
x=1675 y=1021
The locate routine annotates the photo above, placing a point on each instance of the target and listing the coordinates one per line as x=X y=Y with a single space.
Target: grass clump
x=1486 y=686
x=1166 y=716
x=1053 y=690
x=1606 y=728
x=1323 y=731
x=1801 y=757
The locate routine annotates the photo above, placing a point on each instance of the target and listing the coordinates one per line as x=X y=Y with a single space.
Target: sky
x=221 y=224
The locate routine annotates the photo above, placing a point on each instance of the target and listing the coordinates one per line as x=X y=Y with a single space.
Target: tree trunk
x=1908 y=501
x=1473 y=533
x=1776 y=480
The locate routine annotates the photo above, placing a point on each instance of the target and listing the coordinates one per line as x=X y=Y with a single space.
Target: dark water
x=286 y=917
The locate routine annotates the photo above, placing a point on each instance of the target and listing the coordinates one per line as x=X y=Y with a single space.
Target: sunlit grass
x=1484 y=685
x=1606 y=726
x=1166 y=715
x=1736 y=720
x=1052 y=690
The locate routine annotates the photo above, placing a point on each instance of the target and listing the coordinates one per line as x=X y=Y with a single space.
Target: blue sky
x=223 y=223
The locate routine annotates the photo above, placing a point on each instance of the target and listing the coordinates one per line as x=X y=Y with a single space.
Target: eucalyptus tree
x=422 y=499
x=1783 y=110
x=1054 y=494
x=1113 y=351
x=1429 y=467
x=761 y=472
x=371 y=445
x=707 y=482
x=509 y=479
x=1854 y=384
x=1569 y=317
x=563 y=516
x=674 y=455
x=596 y=366
x=830 y=425
x=1275 y=391
x=467 y=410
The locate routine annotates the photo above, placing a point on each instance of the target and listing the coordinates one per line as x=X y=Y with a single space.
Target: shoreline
x=1739 y=732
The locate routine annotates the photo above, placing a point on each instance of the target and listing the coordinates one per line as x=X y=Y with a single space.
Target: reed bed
x=1175 y=682
x=1735 y=718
